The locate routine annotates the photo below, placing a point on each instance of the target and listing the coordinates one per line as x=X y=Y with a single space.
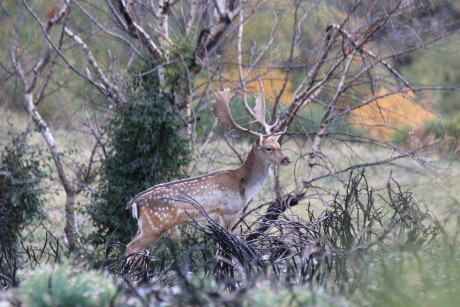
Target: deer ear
x=261 y=141
x=276 y=137
x=258 y=144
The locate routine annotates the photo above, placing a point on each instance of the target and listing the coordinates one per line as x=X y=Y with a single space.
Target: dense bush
x=21 y=176
x=20 y=191
x=147 y=147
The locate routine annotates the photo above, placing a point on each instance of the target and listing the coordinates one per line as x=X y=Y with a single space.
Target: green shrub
x=283 y=297
x=146 y=148
x=60 y=287
x=20 y=191
x=21 y=201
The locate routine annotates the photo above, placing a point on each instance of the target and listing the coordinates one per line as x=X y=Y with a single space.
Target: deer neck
x=254 y=173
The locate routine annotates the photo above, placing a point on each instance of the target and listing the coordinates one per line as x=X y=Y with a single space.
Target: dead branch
x=137 y=31
x=110 y=90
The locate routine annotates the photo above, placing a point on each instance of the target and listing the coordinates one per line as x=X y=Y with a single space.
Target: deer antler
x=259 y=113
x=222 y=111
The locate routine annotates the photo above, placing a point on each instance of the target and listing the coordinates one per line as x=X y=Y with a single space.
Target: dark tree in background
x=147 y=147
x=21 y=203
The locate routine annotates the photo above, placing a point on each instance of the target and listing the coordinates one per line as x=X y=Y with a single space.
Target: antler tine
x=280 y=132
x=222 y=111
x=259 y=112
x=277 y=135
x=274 y=124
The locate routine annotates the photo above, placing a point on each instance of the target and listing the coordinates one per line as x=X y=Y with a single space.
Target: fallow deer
x=222 y=195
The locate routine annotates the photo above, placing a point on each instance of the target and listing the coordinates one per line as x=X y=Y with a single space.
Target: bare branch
x=49 y=42
x=138 y=32
x=359 y=46
x=108 y=32
x=191 y=17
x=210 y=36
x=315 y=148
x=311 y=91
x=43 y=60
x=295 y=35
x=107 y=87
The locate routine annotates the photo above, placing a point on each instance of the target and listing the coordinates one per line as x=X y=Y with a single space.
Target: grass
x=219 y=156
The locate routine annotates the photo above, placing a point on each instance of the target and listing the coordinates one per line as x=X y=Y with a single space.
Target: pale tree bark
x=163 y=33
x=29 y=80
x=191 y=17
x=135 y=30
x=158 y=46
x=105 y=86
x=70 y=229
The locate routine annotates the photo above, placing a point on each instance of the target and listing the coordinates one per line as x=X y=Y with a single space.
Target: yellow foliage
x=382 y=116
x=272 y=82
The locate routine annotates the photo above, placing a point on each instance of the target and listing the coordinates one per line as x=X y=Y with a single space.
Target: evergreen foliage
x=20 y=191
x=147 y=148
x=21 y=200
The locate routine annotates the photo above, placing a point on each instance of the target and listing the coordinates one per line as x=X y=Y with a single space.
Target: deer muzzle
x=285 y=161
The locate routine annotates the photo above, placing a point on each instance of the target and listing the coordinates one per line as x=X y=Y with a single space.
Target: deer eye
x=269 y=149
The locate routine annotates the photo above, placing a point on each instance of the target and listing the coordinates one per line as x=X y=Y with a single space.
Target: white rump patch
x=139 y=226
x=134 y=211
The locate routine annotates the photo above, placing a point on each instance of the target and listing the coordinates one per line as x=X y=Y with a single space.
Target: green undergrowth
x=62 y=286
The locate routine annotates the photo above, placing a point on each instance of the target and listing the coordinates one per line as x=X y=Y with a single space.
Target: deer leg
x=137 y=245
x=219 y=220
x=140 y=242
x=228 y=221
x=175 y=234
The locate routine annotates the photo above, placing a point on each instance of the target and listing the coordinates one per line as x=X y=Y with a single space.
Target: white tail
x=223 y=195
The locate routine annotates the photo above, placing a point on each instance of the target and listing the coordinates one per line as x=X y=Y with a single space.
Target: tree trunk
x=70 y=228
